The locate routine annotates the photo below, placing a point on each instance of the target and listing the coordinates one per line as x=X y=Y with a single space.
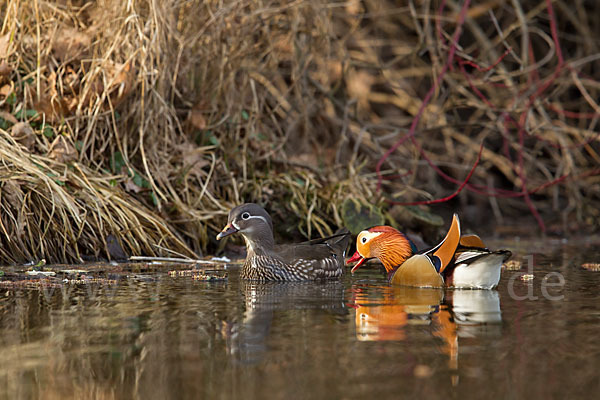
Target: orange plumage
x=464 y=261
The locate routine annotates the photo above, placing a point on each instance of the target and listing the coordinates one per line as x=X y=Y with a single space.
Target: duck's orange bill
x=228 y=230
x=356 y=257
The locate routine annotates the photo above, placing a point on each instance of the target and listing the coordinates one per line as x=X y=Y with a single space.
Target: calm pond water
x=154 y=336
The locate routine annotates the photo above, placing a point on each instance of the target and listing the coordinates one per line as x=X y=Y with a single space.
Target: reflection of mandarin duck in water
x=464 y=313
x=313 y=260
x=383 y=319
x=458 y=261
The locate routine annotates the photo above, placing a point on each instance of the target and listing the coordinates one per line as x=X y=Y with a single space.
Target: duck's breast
x=417 y=271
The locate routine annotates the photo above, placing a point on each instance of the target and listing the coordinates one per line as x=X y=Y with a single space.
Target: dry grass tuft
x=149 y=120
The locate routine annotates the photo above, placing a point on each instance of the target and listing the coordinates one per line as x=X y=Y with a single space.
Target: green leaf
x=48 y=132
x=212 y=139
x=358 y=216
x=153 y=198
x=424 y=217
x=138 y=180
x=79 y=145
x=11 y=99
x=112 y=182
x=4 y=124
x=117 y=162
x=245 y=115
x=27 y=114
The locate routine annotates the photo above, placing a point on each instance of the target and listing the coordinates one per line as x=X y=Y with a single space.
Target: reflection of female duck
x=264 y=300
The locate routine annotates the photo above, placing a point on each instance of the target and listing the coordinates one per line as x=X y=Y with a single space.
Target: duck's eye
x=245 y=215
x=364 y=240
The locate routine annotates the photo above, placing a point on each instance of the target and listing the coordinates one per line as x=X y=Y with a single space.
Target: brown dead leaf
x=120 y=81
x=62 y=150
x=23 y=134
x=6 y=90
x=310 y=159
x=335 y=70
x=359 y=85
x=354 y=7
x=132 y=187
x=194 y=156
x=194 y=160
x=71 y=44
x=5 y=46
x=197 y=119
x=13 y=193
x=283 y=43
x=52 y=108
x=5 y=69
x=8 y=117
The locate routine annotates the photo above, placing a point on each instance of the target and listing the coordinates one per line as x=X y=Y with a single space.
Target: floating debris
x=30 y=284
x=591 y=266
x=88 y=281
x=209 y=278
x=38 y=264
x=512 y=265
x=527 y=277
x=73 y=271
x=45 y=273
x=198 y=275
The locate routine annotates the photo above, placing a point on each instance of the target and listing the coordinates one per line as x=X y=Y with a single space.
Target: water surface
x=155 y=336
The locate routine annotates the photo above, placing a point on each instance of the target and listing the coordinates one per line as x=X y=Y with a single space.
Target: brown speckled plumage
x=266 y=261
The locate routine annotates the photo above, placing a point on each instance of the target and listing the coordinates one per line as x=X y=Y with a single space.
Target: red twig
x=572 y=114
x=453 y=195
x=554 y=31
x=427 y=99
x=511 y=124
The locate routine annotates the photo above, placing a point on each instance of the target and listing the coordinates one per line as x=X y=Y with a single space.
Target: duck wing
x=318 y=258
x=476 y=268
x=442 y=255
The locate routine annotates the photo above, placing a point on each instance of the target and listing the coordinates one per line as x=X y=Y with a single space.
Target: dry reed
x=148 y=120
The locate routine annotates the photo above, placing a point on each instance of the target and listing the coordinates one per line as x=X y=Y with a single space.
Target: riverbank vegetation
x=144 y=122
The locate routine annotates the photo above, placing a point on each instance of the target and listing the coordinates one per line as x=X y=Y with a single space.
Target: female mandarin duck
x=460 y=262
x=266 y=261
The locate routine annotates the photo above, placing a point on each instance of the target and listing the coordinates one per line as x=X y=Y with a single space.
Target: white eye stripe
x=258 y=217
x=368 y=236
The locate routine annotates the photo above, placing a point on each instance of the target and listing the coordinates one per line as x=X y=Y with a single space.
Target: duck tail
x=340 y=239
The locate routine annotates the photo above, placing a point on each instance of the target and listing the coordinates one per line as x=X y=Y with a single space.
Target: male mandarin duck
x=316 y=259
x=458 y=261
